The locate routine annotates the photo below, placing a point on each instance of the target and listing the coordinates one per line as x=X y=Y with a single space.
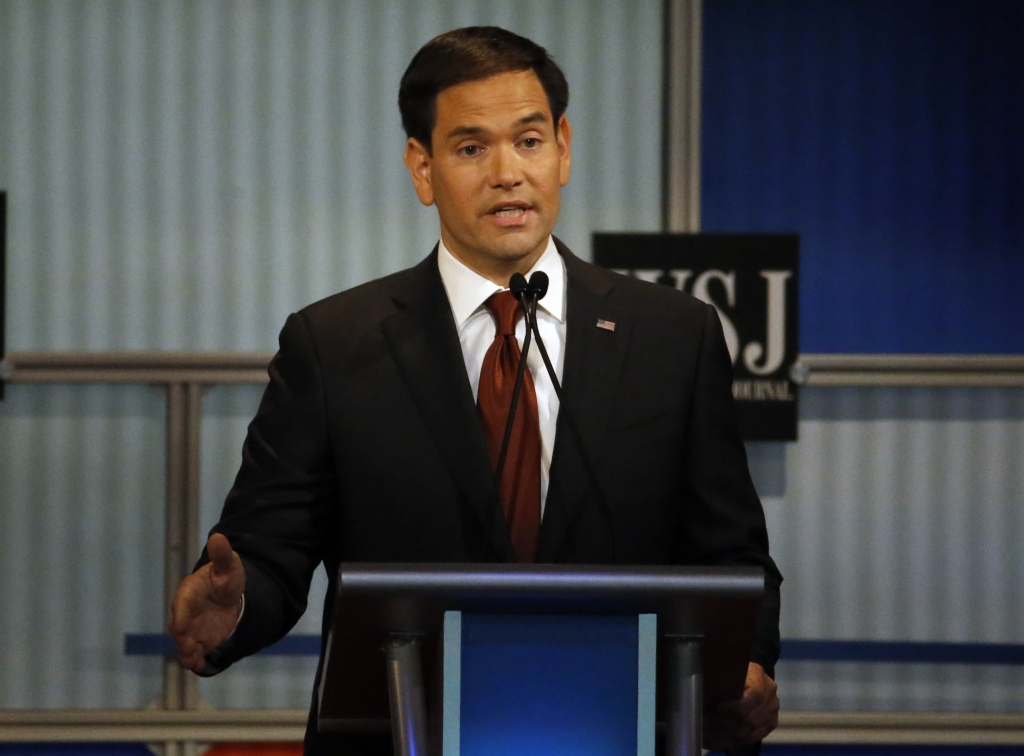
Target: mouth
x=512 y=213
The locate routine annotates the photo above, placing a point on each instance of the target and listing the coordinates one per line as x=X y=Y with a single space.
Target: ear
x=417 y=160
x=563 y=138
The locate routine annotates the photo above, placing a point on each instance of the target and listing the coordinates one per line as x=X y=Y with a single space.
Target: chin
x=514 y=249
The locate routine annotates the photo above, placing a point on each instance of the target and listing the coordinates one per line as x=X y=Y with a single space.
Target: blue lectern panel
x=557 y=686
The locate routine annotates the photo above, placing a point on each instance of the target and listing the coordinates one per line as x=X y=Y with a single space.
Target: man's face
x=496 y=171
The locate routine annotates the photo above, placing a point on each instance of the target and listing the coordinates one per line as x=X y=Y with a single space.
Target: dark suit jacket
x=368 y=447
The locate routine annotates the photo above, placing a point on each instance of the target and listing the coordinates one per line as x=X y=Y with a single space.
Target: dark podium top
x=719 y=604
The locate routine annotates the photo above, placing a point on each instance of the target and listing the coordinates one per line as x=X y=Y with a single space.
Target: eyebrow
x=537 y=117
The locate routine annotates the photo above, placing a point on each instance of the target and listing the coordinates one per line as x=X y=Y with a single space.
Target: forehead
x=505 y=97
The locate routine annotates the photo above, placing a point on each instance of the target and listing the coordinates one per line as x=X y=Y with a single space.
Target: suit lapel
x=425 y=344
x=594 y=358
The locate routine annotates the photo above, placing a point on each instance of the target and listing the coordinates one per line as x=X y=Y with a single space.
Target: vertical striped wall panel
x=898 y=516
x=821 y=686
x=81 y=543
x=181 y=175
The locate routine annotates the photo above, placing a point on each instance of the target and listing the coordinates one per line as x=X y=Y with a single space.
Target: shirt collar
x=468 y=290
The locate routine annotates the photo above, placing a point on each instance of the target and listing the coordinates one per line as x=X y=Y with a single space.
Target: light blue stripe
x=646 y=682
x=451 y=723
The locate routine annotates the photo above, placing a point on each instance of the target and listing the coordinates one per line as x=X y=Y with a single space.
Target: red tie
x=520 y=482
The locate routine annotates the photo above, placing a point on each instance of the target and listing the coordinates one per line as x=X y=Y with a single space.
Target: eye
x=470 y=150
x=531 y=143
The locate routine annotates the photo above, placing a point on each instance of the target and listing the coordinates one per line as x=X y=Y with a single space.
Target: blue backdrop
x=890 y=136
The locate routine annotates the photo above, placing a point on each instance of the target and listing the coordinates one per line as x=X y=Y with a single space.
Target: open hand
x=205 y=608
x=748 y=720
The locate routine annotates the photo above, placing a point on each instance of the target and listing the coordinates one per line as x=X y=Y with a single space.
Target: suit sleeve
x=725 y=519
x=281 y=509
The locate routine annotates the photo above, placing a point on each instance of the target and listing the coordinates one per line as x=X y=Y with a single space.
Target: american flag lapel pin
x=608 y=325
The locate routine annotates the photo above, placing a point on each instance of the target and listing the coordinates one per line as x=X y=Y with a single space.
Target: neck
x=497 y=270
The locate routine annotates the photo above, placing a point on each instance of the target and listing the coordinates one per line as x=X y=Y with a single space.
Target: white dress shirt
x=468 y=290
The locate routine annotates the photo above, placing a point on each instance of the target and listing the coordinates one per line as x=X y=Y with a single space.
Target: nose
x=506 y=168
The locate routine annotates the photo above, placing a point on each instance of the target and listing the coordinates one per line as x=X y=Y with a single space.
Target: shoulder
x=641 y=300
x=344 y=329
x=369 y=303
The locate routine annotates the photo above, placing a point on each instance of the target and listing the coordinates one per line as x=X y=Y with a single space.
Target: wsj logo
x=752 y=280
x=758 y=358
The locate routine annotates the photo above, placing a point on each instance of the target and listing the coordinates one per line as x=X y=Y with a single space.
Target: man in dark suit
x=375 y=440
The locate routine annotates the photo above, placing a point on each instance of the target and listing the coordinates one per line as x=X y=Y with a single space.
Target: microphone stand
x=519 y=289
x=536 y=289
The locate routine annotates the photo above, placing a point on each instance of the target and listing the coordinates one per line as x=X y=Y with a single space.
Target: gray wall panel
x=900 y=518
x=81 y=544
x=183 y=175
x=900 y=687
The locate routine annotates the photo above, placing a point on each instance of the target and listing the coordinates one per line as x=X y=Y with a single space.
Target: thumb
x=219 y=549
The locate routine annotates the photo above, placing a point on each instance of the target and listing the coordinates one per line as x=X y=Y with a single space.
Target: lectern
x=398 y=651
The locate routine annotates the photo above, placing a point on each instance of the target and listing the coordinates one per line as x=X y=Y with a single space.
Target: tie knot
x=506 y=309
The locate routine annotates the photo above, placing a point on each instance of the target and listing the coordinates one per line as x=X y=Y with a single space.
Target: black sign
x=752 y=280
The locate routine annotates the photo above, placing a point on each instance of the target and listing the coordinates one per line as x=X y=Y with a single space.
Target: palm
x=211 y=615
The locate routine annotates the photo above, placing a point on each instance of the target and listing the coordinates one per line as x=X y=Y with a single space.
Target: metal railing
x=961 y=370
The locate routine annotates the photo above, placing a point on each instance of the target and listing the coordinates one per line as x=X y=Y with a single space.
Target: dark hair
x=471 y=54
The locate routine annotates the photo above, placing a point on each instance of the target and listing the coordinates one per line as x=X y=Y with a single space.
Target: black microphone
x=538 y=285
x=536 y=289
x=518 y=286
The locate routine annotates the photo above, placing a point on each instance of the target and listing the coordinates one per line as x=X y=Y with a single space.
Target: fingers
x=763 y=719
x=219 y=549
x=754 y=697
x=227 y=574
x=190 y=650
x=721 y=735
x=749 y=719
x=192 y=655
